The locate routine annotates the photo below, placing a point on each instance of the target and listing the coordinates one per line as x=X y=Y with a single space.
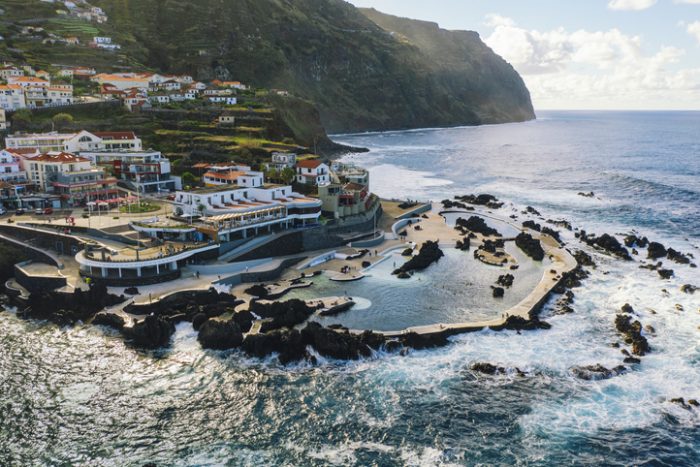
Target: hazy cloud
x=694 y=29
x=632 y=4
x=594 y=68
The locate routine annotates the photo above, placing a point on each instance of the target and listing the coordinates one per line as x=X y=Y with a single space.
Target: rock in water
x=151 y=333
x=656 y=250
x=287 y=343
x=478 y=225
x=530 y=246
x=282 y=314
x=329 y=343
x=109 y=319
x=429 y=253
x=498 y=292
x=220 y=335
x=597 y=372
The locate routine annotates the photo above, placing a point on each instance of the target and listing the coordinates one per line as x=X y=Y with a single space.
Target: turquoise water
x=80 y=397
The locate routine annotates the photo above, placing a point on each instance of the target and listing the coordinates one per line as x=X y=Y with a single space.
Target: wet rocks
x=281 y=314
x=257 y=290
x=532 y=225
x=590 y=194
x=517 y=323
x=627 y=308
x=407 y=252
x=677 y=256
x=110 y=320
x=632 y=241
x=478 y=225
x=533 y=211
x=150 y=333
x=463 y=245
x=423 y=341
x=244 y=319
x=288 y=343
x=429 y=253
x=198 y=320
x=530 y=246
x=552 y=233
x=498 y=292
x=584 y=259
x=561 y=223
x=487 y=200
x=131 y=291
x=689 y=289
x=506 y=280
x=329 y=343
x=607 y=243
x=632 y=331
x=220 y=335
x=665 y=273
x=597 y=372
x=656 y=250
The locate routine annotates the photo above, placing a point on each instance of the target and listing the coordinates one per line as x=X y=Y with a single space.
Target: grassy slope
x=350 y=63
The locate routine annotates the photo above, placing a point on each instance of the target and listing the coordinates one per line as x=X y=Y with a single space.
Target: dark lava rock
x=632 y=361
x=478 y=225
x=334 y=344
x=110 y=320
x=590 y=194
x=403 y=275
x=530 y=246
x=257 y=290
x=244 y=319
x=198 y=320
x=627 y=308
x=632 y=330
x=656 y=250
x=282 y=314
x=151 y=333
x=366 y=264
x=429 y=253
x=69 y=308
x=665 y=273
x=516 y=323
x=552 y=233
x=561 y=223
x=498 y=292
x=220 y=335
x=487 y=369
x=423 y=341
x=531 y=210
x=632 y=241
x=677 y=256
x=607 y=243
x=532 y=225
x=288 y=343
x=463 y=245
x=597 y=372
x=131 y=291
x=689 y=289
x=584 y=259
x=506 y=280
x=407 y=252
x=487 y=200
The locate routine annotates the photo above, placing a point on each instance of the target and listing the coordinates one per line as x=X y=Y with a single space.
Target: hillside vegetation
x=364 y=70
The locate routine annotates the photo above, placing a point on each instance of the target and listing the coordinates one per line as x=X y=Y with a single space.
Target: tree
x=22 y=120
x=188 y=179
x=62 y=120
x=288 y=175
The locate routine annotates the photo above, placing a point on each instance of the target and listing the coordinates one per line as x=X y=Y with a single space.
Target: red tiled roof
x=309 y=164
x=23 y=151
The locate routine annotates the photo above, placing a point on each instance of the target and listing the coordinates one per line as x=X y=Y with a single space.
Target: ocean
x=79 y=396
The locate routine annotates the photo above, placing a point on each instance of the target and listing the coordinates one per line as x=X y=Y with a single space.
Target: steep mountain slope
x=364 y=70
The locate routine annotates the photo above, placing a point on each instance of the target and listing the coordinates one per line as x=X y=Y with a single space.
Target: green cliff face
x=364 y=70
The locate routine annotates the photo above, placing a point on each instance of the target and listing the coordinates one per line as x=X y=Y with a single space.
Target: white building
x=75 y=142
x=227 y=100
x=3 y=120
x=10 y=71
x=282 y=160
x=11 y=170
x=12 y=97
x=229 y=174
x=146 y=171
x=313 y=172
x=28 y=81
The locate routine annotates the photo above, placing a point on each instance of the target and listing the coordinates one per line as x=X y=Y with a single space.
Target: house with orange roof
x=10 y=71
x=28 y=81
x=313 y=172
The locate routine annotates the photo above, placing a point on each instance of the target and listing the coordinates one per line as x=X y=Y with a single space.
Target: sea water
x=79 y=396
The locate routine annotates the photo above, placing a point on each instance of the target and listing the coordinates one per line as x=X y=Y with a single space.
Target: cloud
x=595 y=69
x=635 y=5
x=691 y=2
x=694 y=30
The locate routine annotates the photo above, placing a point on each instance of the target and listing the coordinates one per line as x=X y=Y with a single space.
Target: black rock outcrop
x=220 y=335
x=530 y=246
x=429 y=253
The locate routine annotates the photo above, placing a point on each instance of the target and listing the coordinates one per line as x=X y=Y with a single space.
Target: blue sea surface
x=80 y=396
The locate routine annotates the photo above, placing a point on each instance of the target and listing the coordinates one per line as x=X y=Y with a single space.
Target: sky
x=591 y=54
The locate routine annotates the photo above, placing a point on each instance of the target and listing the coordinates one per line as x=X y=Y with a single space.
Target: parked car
x=3 y=211
x=20 y=212
x=43 y=211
